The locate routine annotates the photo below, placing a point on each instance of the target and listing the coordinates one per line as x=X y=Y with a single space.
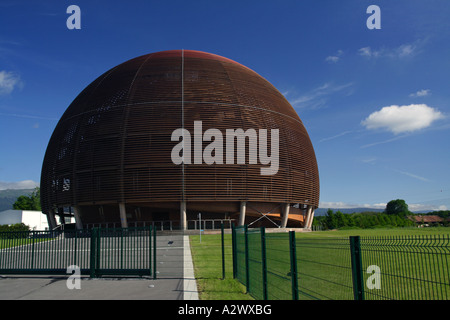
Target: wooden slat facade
x=113 y=144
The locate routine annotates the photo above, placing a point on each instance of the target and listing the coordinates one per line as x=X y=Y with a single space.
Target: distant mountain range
x=323 y=211
x=9 y=196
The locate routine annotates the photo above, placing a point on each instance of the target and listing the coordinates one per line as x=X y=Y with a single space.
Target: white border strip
x=190 y=284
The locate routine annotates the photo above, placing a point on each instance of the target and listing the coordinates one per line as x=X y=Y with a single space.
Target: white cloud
x=337 y=205
x=8 y=82
x=420 y=93
x=385 y=141
x=368 y=52
x=399 y=119
x=26 y=116
x=403 y=51
x=425 y=207
x=344 y=205
x=317 y=97
x=371 y=161
x=415 y=176
x=335 y=58
x=335 y=136
x=25 y=184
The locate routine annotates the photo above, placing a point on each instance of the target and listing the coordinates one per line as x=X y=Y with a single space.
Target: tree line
x=364 y=220
x=395 y=215
x=18 y=227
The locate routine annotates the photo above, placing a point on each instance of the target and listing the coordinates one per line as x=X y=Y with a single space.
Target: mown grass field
x=413 y=265
x=9 y=243
x=378 y=232
x=207 y=259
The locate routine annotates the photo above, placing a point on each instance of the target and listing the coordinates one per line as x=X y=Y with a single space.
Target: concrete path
x=55 y=288
x=190 y=284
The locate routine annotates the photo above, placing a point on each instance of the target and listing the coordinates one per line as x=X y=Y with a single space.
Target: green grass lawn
x=381 y=232
x=207 y=259
x=9 y=243
x=409 y=270
x=413 y=263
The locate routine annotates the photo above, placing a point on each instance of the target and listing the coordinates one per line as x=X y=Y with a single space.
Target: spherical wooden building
x=171 y=134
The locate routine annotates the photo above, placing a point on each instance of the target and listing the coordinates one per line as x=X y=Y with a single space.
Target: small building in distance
x=426 y=221
x=36 y=220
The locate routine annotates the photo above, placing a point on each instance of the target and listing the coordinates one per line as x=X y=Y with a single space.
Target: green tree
x=32 y=202
x=383 y=219
x=340 y=219
x=350 y=221
x=397 y=207
x=331 y=220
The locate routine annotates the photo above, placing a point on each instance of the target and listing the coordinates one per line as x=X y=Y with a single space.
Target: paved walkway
x=26 y=287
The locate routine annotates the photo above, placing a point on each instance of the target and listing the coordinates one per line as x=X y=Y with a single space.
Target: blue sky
x=376 y=103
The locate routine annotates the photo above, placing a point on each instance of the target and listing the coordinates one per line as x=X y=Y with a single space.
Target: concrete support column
x=308 y=217
x=76 y=213
x=242 y=213
x=123 y=215
x=183 y=219
x=51 y=219
x=62 y=219
x=285 y=214
x=311 y=219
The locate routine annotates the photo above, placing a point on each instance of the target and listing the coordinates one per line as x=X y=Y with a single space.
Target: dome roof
x=114 y=142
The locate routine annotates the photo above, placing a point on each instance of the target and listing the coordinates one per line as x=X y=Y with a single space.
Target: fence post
x=293 y=253
x=121 y=248
x=93 y=252
x=154 y=252
x=358 y=282
x=76 y=248
x=233 y=246
x=223 y=251
x=247 y=275
x=150 y=248
x=97 y=258
x=33 y=235
x=264 y=262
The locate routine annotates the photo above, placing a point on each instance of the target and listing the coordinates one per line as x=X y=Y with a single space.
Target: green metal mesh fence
x=279 y=275
x=280 y=266
x=324 y=269
x=255 y=267
x=263 y=263
x=406 y=268
x=240 y=255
